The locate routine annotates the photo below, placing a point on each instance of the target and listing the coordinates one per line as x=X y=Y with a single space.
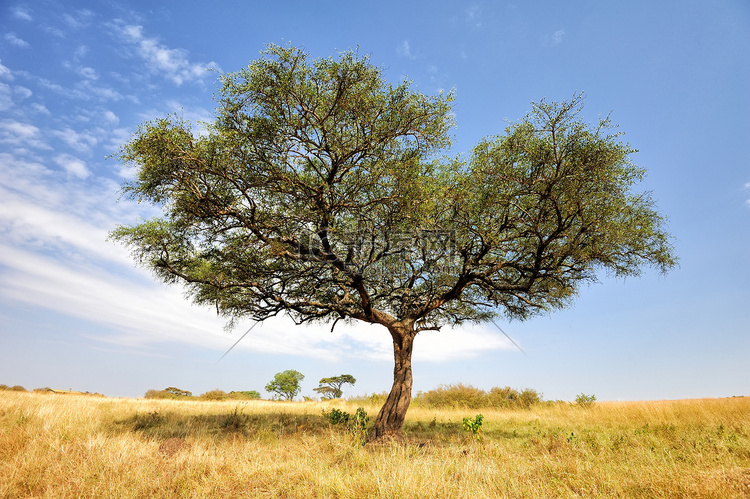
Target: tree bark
x=391 y=417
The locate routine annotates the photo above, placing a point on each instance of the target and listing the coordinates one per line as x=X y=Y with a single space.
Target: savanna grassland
x=85 y=446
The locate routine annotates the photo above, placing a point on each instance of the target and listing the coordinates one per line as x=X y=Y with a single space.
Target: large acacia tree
x=319 y=192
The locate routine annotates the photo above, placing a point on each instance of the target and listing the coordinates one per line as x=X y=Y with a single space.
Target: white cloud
x=6 y=100
x=474 y=16
x=21 y=13
x=16 y=133
x=22 y=92
x=88 y=89
x=40 y=108
x=79 y=19
x=88 y=73
x=554 y=39
x=5 y=73
x=12 y=39
x=747 y=188
x=404 y=50
x=72 y=165
x=80 y=141
x=173 y=64
x=111 y=118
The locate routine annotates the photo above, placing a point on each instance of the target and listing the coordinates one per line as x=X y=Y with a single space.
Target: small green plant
x=354 y=423
x=584 y=400
x=474 y=425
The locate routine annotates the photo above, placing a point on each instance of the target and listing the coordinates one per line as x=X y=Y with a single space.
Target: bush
x=585 y=401
x=214 y=395
x=178 y=391
x=244 y=394
x=354 y=423
x=474 y=426
x=458 y=396
x=158 y=394
x=468 y=397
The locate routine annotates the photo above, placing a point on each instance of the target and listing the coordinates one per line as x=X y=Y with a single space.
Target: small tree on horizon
x=323 y=192
x=286 y=384
x=331 y=387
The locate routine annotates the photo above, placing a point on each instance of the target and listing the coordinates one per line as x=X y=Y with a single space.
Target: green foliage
x=178 y=392
x=468 y=397
x=170 y=392
x=244 y=394
x=354 y=423
x=474 y=425
x=286 y=384
x=331 y=387
x=585 y=401
x=214 y=395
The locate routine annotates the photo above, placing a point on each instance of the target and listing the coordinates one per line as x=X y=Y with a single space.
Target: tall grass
x=75 y=446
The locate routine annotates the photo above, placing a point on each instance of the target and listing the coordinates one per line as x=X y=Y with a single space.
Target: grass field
x=84 y=446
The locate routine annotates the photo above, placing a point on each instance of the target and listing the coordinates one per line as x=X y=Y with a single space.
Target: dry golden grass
x=76 y=446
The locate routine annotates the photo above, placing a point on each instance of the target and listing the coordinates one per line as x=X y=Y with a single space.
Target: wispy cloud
x=747 y=188
x=13 y=40
x=473 y=16
x=79 y=141
x=404 y=50
x=553 y=39
x=22 y=13
x=172 y=64
x=72 y=165
x=5 y=73
x=19 y=134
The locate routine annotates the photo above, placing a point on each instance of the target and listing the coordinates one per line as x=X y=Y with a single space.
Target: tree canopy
x=331 y=387
x=286 y=384
x=323 y=192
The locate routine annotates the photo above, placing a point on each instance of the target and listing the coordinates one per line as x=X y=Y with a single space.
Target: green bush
x=244 y=395
x=474 y=425
x=170 y=392
x=214 y=395
x=584 y=400
x=159 y=394
x=462 y=396
x=354 y=423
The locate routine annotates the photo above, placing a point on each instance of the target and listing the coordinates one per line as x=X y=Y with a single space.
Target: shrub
x=214 y=395
x=168 y=393
x=159 y=394
x=453 y=396
x=354 y=423
x=584 y=400
x=244 y=394
x=178 y=392
x=468 y=397
x=474 y=425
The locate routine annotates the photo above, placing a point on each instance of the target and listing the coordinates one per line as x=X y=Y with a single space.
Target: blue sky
x=77 y=77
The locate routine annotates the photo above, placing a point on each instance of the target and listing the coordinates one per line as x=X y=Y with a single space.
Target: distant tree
x=331 y=387
x=286 y=384
x=322 y=191
x=245 y=394
x=179 y=392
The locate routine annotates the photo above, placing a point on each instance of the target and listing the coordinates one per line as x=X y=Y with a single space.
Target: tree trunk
x=391 y=416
